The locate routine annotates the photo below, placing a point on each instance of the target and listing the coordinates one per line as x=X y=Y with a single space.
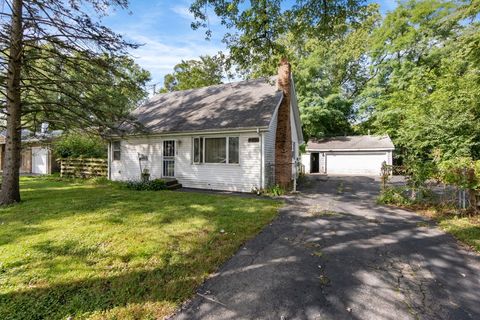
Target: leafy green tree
x=191 y=74
x=257 y=27
x=330 y=74
x=425 y=91
x=326 y=41
x=76 y=144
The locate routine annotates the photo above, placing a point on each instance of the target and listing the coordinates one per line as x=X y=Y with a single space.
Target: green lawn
x=83 y=250
x=465 y=229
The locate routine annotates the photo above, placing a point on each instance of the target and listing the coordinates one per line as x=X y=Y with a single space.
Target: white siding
x=296 y=150
x=128 y=167
x=232 y=177
x=306 y=161
x=269 y=151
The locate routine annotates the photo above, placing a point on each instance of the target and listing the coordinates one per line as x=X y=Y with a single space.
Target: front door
x=169 y=158
x=314 y=162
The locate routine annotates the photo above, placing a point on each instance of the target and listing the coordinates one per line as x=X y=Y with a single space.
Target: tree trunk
x=10 y=190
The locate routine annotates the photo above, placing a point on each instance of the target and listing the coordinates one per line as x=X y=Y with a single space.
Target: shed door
x=39 y=160
x=358 y=163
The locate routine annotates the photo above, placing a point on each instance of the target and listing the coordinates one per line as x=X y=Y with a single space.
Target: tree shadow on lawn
x=165 y=280
x=60 y=200
x=171 y=284
x=169 y=276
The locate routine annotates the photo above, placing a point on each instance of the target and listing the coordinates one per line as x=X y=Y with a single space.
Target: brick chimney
x=283 y=141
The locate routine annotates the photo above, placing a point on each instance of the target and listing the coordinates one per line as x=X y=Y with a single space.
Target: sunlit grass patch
x=466 y=229
x=94 y=250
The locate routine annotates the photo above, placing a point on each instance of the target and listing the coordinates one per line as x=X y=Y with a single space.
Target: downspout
x=109 y=156
x=261 y=158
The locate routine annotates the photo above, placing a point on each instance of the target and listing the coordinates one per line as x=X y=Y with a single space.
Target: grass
x=465 y=228
x=77 y=250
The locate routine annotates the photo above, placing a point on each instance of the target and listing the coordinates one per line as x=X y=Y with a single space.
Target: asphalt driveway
x=333 y=253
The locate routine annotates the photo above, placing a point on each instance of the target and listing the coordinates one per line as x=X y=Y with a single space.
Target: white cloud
x=159 y=58
x=183 y=11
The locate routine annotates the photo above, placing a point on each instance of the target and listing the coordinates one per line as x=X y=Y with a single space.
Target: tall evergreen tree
x=55 y=60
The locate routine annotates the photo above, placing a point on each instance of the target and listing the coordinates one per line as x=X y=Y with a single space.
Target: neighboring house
x=349 y=155
x=235 y=136
x=36 y=154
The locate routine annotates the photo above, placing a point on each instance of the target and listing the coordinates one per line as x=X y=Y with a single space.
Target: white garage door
x=355 y=163
x=39 y=160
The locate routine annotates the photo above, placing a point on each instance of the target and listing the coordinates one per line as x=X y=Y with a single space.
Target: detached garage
x=348 y=155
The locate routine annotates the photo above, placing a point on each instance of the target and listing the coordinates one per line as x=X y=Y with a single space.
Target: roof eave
x=353 y=149
x=192 y=132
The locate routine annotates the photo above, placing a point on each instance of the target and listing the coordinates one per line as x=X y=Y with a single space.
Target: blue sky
x=163 y=27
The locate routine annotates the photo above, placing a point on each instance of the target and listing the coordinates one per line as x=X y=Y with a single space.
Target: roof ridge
x=211 y=86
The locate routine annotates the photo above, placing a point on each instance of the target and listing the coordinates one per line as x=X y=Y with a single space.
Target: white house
x=234 y=136
x=348 y=155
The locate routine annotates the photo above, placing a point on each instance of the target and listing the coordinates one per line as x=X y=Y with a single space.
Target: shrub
x=394 y=196
x=150 y=185
x=418 y=172
x=74 y=145
x=400 y=196
x=464 y=173
x=275 y=190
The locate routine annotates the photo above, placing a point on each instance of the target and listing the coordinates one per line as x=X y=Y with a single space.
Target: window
x=116 y=150
x=216 y=150
x=233 y=150
x=197 y=150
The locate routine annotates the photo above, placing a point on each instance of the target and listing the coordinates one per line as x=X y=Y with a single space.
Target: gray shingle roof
x=351 y=143
x=244 y=104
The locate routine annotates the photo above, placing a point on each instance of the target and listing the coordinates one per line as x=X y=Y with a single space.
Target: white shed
x=348 y=155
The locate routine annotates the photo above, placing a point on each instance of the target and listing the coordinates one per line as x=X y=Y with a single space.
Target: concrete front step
x=174 y=186
x=170 y=181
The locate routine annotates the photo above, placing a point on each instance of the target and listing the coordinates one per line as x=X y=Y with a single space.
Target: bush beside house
x=75 y=145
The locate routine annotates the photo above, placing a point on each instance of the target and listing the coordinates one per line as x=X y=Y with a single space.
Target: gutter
x=262 y=159
x=343 y=150
x=109 y=155
x=194 y=132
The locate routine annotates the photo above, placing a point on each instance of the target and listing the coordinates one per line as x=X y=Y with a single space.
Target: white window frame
x=227 y=158
x=119 y=150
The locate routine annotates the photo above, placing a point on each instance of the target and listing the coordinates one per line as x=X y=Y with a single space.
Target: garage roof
x=352 y=143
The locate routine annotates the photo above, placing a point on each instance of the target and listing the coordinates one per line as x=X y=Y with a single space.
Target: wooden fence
x=396 y=170
x=83 y=167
